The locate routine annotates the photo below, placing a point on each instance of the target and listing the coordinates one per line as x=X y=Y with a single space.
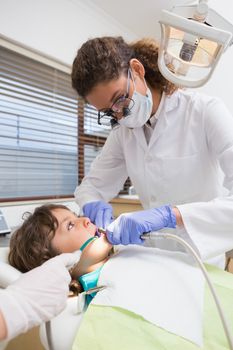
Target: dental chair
x=59 y=333
x=8 y=274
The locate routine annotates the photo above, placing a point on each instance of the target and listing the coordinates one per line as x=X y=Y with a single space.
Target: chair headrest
x=8 y=274
x=4 y=251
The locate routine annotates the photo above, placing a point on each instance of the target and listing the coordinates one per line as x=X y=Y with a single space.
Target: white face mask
x=140 y=112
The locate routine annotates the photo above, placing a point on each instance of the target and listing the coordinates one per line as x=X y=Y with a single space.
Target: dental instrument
x=101 y=230
x=82 y=300
x=155 y=235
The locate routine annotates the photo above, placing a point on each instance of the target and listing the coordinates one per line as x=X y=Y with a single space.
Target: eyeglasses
x=122 y=106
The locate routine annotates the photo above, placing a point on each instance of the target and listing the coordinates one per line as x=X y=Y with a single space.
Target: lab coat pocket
x=183 y=178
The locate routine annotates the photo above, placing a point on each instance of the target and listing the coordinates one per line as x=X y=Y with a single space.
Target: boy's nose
x=86 y=222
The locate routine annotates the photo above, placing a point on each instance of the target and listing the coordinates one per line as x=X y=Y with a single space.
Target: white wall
x=221 y=82
x=56 y=27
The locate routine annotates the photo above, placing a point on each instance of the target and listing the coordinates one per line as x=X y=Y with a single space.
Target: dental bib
x=90 y=280
x=163 y=287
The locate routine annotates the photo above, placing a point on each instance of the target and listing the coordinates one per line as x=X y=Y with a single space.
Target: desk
x=125 y=205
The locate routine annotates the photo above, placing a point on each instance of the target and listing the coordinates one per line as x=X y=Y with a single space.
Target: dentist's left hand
x=38 y=295
x=99 y=212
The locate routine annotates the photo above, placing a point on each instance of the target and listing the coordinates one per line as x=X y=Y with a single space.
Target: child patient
x=52 y=230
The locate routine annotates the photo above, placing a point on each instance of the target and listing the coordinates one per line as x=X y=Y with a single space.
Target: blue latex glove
x=128 y=228
x=99 y=212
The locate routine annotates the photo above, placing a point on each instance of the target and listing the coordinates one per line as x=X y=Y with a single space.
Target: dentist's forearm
x=179 y=220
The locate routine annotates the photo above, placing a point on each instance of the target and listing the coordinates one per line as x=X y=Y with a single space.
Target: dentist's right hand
x=37 y=296
x=99 y=212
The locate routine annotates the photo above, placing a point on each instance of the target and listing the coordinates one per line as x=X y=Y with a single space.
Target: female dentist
x=36 y=297
x=176 y=146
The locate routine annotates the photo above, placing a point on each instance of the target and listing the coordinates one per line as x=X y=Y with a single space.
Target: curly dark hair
x=146 y=51
x=106 y=58
x=30 y=245
x=99 y=60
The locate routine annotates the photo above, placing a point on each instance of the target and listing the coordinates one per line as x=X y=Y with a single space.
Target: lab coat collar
x=167 y=104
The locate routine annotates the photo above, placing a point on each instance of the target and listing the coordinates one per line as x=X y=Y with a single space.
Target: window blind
x=48 y=136
x=38 y=129
x=91 y=139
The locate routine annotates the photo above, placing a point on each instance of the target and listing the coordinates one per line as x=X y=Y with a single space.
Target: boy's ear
x=137 y=68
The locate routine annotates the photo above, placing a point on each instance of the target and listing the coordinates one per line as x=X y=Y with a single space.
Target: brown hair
x=98 y=60
x=106 y=58
x=30 y=245
x=146 y=51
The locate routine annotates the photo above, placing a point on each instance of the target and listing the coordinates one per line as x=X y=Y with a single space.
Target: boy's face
x=72 y=231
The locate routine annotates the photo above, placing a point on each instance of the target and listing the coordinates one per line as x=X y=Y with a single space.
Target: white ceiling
x=140 y=16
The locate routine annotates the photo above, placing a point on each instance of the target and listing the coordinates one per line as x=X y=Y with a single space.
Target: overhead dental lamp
x=193 y=39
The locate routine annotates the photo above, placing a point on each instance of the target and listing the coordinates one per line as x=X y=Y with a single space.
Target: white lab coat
x=188 y=163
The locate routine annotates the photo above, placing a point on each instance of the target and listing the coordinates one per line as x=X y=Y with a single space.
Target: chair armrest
x=68 y=321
